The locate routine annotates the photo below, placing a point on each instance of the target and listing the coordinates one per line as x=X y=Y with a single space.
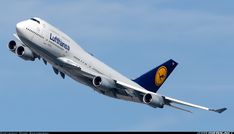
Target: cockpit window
x=35 y=20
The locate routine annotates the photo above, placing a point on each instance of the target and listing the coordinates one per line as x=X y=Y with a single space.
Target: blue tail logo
x=155 y=78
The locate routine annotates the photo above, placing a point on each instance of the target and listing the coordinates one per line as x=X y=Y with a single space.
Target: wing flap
x=176 y=107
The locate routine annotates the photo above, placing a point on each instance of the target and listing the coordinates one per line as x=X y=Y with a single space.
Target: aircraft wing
x=132 y=91
x=17 y=37
x=170 y=101
x=76 y=68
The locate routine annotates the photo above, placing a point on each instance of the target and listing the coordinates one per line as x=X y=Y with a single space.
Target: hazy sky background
x=132 y=36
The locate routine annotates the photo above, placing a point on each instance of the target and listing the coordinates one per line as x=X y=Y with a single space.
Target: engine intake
x=103 y=83
x=25 y=53
x=12 y=46
x=153 y=100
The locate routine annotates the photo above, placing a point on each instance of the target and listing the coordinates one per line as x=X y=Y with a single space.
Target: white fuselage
x=39 y=39
x=50 y=43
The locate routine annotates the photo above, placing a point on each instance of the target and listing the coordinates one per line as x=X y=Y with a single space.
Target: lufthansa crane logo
x=160 y=76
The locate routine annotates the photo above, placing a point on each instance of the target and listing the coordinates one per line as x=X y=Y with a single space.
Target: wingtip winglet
x=219 y=110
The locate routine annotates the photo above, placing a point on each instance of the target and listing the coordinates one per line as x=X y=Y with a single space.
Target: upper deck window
x=33 y=19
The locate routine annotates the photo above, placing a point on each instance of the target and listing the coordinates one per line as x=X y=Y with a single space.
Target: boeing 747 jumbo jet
x=37 y=39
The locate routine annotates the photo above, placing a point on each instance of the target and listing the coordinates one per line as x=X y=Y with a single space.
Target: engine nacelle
x=12 y=46
x=103 y=83
x=25 y=53
x=153 y=100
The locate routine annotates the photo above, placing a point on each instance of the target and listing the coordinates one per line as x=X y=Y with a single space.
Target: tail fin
x=154 y=79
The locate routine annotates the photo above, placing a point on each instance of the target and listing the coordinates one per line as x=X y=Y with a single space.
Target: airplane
x=37 y=39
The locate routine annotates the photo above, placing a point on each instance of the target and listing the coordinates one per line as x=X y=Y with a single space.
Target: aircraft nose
x=20 y=27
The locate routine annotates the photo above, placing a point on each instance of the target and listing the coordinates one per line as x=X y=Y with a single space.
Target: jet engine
x=153 y=100
x=25 y=53
x=22 y=51
x=103 y=83
x=12 y=46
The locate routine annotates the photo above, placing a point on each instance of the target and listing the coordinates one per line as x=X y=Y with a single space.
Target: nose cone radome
x=20 y=28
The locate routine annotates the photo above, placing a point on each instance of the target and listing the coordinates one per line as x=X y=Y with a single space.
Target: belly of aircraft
x=52 y=59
